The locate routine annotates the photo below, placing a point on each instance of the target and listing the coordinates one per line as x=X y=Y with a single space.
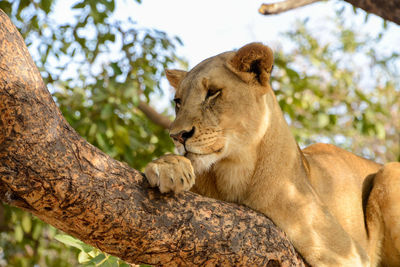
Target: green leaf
x=92 y=130
x=83 y=257
x=292 y=74
x=323 y=120
x=366 y=17
x=98 y=259
x=332 y=119
x=110 y=4
x=380 y=131
x=37 y=231
x=26 y=223
x=6 y=7
x=18 y=233
x=116 y=69
x=22 y=5
x=110 y=261
x=100 y=140
x=106 y=112
x=79 y=5
x=110 y=37
x=46 y=5
x=71 y=241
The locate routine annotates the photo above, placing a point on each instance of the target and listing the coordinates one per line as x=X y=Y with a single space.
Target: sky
x=210 y=27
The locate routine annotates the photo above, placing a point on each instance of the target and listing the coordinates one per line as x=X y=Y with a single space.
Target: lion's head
x=221 y=104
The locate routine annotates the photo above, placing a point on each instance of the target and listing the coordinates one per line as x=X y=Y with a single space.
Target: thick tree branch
x=47 y=169
x=154 y=116
x=387 y=9
x=279 y=7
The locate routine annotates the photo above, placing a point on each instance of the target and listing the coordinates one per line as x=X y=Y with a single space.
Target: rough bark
x=387 y=9
x=47 y=169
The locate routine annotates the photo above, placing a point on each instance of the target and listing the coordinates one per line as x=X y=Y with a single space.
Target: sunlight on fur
x=337 y=209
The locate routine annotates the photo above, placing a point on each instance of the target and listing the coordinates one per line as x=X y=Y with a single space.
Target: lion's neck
x=274 y=156
x=233 y=175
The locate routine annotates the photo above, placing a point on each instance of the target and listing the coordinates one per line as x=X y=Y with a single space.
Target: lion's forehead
x=211 y=69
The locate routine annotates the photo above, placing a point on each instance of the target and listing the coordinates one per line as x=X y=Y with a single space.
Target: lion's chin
x=202 y=162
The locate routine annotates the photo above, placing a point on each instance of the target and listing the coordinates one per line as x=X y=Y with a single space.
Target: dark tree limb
x=387 y=9
x=47 y=169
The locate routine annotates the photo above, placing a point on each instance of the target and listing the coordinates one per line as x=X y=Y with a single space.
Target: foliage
x=89 y=256
x=341 y=90
x=334 y=87
x=26 y=241
x=98 y=67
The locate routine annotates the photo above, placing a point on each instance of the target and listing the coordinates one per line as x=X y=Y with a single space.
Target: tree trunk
x=47 y=169
x=386 y=9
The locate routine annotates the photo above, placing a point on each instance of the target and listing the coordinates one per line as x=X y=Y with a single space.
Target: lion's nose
x=182 y=136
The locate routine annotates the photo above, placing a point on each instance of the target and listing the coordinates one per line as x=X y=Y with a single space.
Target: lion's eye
x=213 y=93
x=177 y=104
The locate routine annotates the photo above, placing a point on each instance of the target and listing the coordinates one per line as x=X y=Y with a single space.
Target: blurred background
x=336 y=78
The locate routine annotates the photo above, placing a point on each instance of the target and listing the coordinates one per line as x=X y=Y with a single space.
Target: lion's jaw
x=202 y=156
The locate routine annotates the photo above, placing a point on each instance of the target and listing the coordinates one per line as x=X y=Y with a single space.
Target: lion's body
x=230 y=126
x=340 y=188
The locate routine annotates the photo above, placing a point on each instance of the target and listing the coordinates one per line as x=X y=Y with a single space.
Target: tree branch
x=154 y=116
x=279 y=7
x=386 y=9
x=47 y=169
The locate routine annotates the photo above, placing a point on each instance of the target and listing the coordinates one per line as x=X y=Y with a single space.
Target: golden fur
x=338 y=209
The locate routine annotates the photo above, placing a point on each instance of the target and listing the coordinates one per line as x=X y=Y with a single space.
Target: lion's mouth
x=187 y=154
x=190 y=153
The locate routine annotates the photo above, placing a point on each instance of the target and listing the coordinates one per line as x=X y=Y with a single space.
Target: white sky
x=209 y=27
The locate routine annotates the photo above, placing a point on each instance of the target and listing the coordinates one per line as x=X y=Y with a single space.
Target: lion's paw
x=170 y=173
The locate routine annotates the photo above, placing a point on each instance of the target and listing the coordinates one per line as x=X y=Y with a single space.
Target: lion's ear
x=175 y=77
x=253 y=62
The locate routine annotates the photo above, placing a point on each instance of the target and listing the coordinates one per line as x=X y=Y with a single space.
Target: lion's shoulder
x=328 y=155
x=322 y=148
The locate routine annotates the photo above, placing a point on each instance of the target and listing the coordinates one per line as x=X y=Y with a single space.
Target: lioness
x=338 y=209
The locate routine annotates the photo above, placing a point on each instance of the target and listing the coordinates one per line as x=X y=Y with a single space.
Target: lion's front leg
x=170 y=173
